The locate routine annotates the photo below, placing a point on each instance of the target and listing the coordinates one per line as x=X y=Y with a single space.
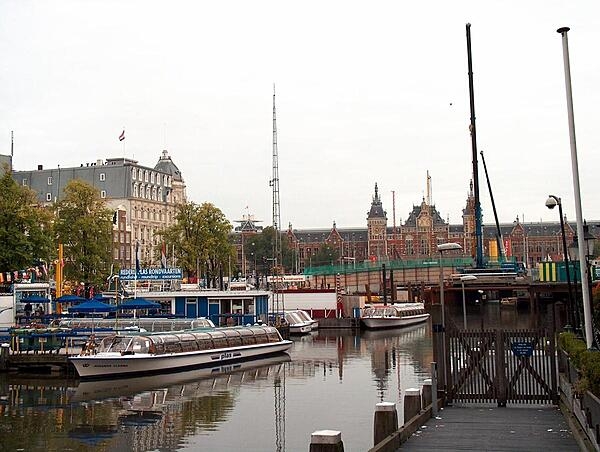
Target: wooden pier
x=494 y=429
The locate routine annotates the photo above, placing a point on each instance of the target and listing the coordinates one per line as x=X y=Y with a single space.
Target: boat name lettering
x=226 y=355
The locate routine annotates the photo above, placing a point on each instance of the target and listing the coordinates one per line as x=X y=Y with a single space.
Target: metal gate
x=499 y=366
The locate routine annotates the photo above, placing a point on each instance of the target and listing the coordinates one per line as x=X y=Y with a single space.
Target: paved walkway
x=494 y=429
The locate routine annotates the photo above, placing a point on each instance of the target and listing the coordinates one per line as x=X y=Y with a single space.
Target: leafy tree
x=25 y=227
x=327 y=255
x=259 y=248
x=201 y=240
x=84 y=227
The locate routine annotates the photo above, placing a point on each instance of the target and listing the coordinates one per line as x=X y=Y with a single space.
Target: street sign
x=150 y=274
x=522 y=348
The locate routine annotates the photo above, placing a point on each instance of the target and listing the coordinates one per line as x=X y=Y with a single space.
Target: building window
x=102 y=176
x=133 y=173
x=48 y=196
x=49 y=180
x=160 y=196
x=140 y=175
x=154 y=193
x=24 y=182
x=135 y=191
x=152 y=178
x=103 y=193
x=146 y=176
x=165 y=180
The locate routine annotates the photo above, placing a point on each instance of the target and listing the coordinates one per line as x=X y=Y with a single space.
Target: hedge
x=586 y=361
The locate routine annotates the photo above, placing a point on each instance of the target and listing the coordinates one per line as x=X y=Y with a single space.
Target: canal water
x=330 y=380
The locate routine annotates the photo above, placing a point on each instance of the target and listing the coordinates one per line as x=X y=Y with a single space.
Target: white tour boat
x=300 y=322
x=394 y=316
x=128 y=354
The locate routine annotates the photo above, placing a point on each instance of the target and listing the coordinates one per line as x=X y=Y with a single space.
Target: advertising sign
x=150 y=274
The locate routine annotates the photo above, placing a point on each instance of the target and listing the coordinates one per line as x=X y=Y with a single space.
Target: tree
x=84 y=227
x=25 y=227
x=201 y=240
x=261 y=248
x=327 y=255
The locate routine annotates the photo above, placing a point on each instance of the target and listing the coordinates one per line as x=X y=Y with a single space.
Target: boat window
x=203 y=340
x=172 y=343
x=233 y=338
x=219 y=339
x=159 y=346
x=248 y=337
x=273 y=334
x=140 y=344
x=261 y=337
x=188 y=343
x=119 y=344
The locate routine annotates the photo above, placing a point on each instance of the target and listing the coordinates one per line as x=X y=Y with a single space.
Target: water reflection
x=331 y=380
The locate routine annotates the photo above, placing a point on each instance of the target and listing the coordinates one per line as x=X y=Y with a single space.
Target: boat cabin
x=189 y=341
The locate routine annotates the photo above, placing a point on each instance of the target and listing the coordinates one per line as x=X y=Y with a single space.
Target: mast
x=498 y=231
x=478 y=233
x=274 y=183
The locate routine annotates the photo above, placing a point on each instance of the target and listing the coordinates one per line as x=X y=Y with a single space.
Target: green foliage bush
x=586 y=361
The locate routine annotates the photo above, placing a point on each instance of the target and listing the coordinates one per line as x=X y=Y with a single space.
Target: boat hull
x=109 y=365
x=393 y=322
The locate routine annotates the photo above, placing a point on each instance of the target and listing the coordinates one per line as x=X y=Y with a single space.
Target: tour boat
x=394 y=316
x=128 y=354
x=300 y=322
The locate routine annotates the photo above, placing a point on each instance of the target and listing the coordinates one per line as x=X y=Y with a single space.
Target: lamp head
x=552 y=202
x=448 y=247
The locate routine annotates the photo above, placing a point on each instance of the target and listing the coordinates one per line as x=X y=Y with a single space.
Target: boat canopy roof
x=189 y=341
x=151 y=324
x=395 y=310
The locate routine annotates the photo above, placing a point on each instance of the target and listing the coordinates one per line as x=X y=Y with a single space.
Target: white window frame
x=25 y=182
x=49 y=180
x=103 y=193
x=102 y=176
x=48 y=197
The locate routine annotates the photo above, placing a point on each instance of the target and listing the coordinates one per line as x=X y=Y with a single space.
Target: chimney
x=40 y=167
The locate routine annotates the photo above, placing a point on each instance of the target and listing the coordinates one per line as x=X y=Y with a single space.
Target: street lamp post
x=441 y=248
x=552 y=202
x=462 y=282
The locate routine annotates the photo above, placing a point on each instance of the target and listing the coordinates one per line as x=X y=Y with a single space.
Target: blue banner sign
x=522 y=348
x=150 y=274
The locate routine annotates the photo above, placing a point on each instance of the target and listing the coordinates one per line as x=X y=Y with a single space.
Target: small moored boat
x=300 y=322
x=394 y=316
x=124 y=354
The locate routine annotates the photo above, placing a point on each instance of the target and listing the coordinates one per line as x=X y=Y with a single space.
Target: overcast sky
x=366 y=92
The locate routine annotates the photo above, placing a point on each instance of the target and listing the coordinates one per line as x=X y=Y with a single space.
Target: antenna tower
x=274 y=183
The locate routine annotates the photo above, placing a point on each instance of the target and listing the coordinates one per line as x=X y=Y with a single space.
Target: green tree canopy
x=259 y=248
x=201 y=240
x=25 y=227
x=327 y=255
x=84 y=227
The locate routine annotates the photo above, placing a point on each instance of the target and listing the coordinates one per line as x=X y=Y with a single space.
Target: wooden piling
x=326 y=441
x=426 y=394
x=412 y=403
x=385 y=421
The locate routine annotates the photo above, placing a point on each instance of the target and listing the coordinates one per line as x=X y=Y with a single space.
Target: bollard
x=326 y=441
x=4 y=352
x=426 y=395
x=434 y=390
x=412 y=403
x=385 y=422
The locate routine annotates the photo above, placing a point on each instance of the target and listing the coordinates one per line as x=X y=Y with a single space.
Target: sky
x=366 y=92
